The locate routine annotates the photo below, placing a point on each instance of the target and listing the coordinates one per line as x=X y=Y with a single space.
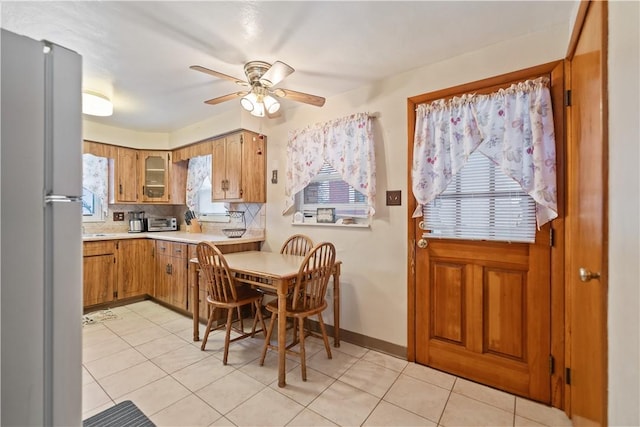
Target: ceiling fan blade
x=224 y=98
x=218 y=74
x=275 y=74
x=318 y=101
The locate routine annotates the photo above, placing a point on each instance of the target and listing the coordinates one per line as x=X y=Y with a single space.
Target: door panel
x=448 y=303
x=483 y=312
x=505 y=313
x=586 y=207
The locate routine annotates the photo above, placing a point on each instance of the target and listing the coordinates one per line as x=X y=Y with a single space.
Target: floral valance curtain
x=346 y=144
x=198 y=169
x=513 y=127
x=94 y=178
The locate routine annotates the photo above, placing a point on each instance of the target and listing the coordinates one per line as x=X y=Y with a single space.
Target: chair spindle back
x=313 y=277
x=298 y=244
x=215 y=271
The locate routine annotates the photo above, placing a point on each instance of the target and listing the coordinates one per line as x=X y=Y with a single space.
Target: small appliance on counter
x=137 y=222
x=162 y=224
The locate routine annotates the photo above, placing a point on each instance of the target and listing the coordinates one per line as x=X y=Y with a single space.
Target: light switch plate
x=118 y=216
x=394 y=198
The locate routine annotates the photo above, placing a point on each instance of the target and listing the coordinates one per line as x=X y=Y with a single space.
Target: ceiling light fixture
x=258 y=101
x=96 y=104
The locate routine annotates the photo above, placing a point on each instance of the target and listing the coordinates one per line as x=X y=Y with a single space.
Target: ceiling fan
x=261 y=77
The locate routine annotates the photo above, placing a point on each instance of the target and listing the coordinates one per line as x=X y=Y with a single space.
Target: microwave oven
x=162 y=224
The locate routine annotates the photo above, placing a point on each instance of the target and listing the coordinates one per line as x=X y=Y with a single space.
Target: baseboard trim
x=364 y=341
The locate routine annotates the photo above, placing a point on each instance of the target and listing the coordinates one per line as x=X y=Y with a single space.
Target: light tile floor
x=147 y=355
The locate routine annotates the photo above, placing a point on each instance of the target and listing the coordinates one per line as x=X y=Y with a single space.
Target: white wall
x=374 y=274
x=98 y=132
x=624 y=214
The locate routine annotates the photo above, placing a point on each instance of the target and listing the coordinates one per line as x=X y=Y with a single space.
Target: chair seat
x=272 y=306
x=245 y=295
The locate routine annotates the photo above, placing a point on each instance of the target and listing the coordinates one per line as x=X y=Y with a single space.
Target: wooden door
x=126 y=171
x=483 y=312
x=135 y=267
x=98 y=278
x=162 y=289
x=179 y=282
x=219 y=173
x=254 y=157
x=586 y=219
x=234 y=166
x=488 y=311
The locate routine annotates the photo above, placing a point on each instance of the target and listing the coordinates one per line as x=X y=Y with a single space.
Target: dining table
x=270 y=271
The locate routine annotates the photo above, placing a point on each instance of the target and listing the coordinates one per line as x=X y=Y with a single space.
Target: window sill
x=322 y=224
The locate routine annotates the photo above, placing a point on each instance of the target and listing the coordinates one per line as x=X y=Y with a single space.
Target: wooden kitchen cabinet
x=239 y=167
x=126 y=176
x=154 y=171
x=135 y=267
x=99 y=272
x=171 y=273
x=162 y=180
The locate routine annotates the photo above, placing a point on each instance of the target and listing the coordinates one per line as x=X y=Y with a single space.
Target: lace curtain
x=198 y=169
x=95 y=171
x=346 y=144
x=513 y=127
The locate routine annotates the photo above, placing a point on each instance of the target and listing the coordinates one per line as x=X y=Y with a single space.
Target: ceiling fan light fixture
x=249 y=101
x=96 y=104
x=271 y=104
x=258 y=110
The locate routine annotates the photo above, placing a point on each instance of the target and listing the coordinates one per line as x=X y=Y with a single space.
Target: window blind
x=482 y=203
x=327 y=189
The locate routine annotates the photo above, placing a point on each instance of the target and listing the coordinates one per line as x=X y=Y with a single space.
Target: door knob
x=423 y=243
x=586 y=275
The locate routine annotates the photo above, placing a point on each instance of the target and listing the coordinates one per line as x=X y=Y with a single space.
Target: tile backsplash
x=254 y=214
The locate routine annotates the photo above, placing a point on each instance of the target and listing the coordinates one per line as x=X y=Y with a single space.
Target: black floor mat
x=124 y=414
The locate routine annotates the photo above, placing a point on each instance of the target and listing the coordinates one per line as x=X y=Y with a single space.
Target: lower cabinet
x=171 y=273
x=135 y=267
x=99 y=272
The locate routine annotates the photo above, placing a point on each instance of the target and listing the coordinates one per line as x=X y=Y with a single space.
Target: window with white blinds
x=482 y=203
x=328 y=190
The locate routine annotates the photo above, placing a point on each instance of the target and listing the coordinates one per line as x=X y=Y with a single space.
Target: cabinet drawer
x=179 y=250
x=173 y=249
x=98 y=248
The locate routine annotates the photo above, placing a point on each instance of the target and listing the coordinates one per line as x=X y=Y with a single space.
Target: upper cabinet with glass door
x=155 y=176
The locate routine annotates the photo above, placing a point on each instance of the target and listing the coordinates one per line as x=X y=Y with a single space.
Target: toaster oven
x=162 y=224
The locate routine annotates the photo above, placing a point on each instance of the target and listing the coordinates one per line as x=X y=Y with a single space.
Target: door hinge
x=241 y=139
x=169 y=156
x=552 y=364
x=567 y=376
x=551 y=237
x=117 y=245
x=567 y=98
x=115 y=295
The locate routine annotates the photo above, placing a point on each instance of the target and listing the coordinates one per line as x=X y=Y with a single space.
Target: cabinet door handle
x=120 y=188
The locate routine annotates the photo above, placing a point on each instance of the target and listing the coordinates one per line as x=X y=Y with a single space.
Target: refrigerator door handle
x=54 y=198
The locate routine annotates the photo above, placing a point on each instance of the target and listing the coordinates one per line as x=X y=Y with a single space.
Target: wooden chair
x=298 y=244
x=223 y=293
x=307 y=299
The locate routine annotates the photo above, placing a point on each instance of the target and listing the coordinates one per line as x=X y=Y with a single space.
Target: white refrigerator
x=40 y=230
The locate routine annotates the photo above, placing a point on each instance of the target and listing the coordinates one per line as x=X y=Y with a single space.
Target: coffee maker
x=137 y=222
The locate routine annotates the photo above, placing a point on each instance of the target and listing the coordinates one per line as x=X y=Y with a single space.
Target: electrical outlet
x=394 y=198
x=118 y=216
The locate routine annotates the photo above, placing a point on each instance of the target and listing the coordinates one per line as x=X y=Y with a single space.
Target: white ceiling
x=139 y=53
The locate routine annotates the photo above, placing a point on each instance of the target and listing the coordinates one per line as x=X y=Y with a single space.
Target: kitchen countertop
x=176 y=236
